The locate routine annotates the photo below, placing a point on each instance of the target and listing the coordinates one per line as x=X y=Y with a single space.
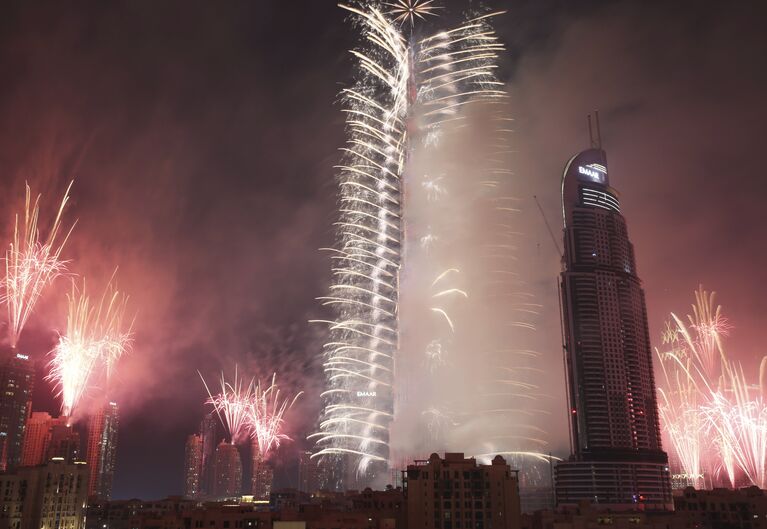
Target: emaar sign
x=366 y=393
x=594 y=171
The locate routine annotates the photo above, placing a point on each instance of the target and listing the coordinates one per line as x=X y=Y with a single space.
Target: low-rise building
x=455 y=492
x=50 y=495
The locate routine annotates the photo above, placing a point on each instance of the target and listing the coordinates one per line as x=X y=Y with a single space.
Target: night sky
x=202 y=135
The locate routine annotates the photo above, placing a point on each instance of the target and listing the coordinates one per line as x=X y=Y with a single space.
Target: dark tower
x=617 y=460
x=16 y=384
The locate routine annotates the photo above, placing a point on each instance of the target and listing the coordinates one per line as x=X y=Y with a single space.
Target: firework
x=94 y=340
x=267 y=416
x=233 y=406
x=716 y=421
x=408 y=10
x=31 y=263
x=414 y=97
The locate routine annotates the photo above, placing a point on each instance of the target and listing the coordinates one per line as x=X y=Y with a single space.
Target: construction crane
x=548 y=227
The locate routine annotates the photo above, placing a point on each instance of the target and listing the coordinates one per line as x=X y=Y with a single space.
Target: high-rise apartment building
x=102 y=450
x=210 y=437
x=47 y=437
x=193 y=467
x=455 y=492
x=36 y=438
x=262 y=475
x=617 y=459
x=227 y=471
x=16 y=384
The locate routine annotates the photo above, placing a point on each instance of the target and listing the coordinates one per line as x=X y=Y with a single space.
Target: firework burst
x=410 y=10
x=94 y=340
x=232 y=405
x=716 y=421
x=31 y=263
x=266 y=419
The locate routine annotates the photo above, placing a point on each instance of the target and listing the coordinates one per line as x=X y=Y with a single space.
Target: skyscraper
x=102 y=450
x=227 y=471
x=209 y=437
x=16 y=383
x=425 y=241
x=193 y=466
x=617 y=459
x=262 y=476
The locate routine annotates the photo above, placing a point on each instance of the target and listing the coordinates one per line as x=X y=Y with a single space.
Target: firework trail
x=716 y=421
x=233 y=406
x=30 y=263
x=94 y=340
x=408 y=115
x=266 y=417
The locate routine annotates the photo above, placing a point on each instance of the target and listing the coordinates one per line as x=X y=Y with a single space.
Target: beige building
x=53 y=495
x=455 y=492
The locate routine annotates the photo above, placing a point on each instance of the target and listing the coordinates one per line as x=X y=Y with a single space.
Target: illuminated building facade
x=47 y=437
x=227 y=471
x=102 y=450
x=457 y=493
x=617 y=459
x=16 y=384
x=36 y=438
x=193 y=467
x=52 y=495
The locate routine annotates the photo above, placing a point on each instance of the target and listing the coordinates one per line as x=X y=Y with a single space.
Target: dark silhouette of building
x=193 y=467
x=16 y=384
x=102 y=450
x=228 y=471
x=308 y=472
x=456 y=492
x=617 y=459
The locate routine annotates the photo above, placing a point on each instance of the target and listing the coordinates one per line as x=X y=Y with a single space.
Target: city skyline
x=221 y=264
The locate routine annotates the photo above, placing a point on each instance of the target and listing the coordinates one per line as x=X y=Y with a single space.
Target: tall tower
x=262 y=476
x=617 y=460
x=227 y=471
x=102 y=450
x=423 y=262
x=16 y=383
x=193 y=466
x=209 y=437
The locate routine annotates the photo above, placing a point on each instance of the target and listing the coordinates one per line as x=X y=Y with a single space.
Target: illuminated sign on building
x=21 y=356
x=366 y=393
x=595 y=171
